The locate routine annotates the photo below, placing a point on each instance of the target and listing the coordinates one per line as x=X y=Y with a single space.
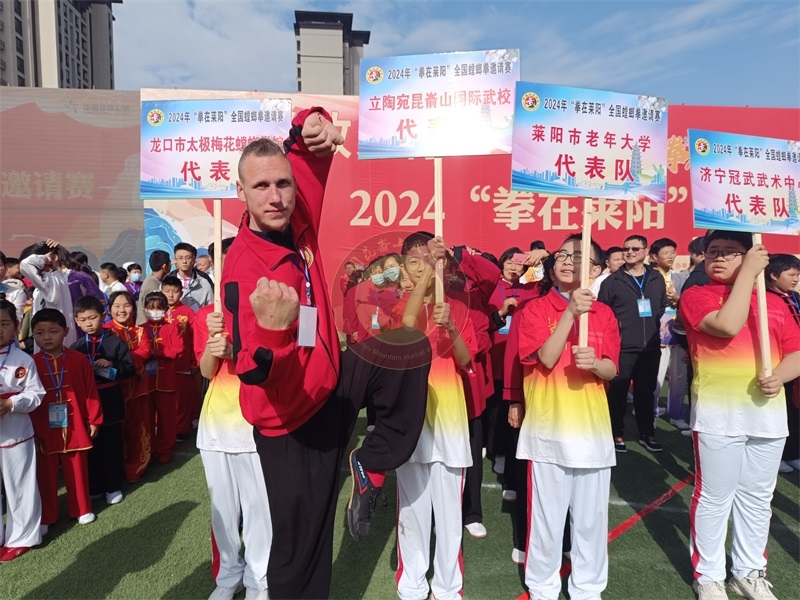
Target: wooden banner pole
x=763 y=323
x=217 y=258
x=438 y=220
x=586 y=253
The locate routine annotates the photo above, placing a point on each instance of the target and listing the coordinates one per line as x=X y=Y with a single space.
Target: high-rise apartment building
x=57 y=43
x=328 y=52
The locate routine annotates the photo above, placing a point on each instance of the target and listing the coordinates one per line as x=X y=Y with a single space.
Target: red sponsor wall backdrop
x=69 y=169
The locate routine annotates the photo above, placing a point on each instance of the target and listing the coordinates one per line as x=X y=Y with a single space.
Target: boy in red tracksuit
x=136 y=428
x=431 y=482
x=182 y=317
x=66 y=421
x=166 y=345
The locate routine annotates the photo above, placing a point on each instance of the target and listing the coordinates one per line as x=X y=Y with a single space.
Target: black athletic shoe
x=363 y=498
x=619 y=445
x=649 y=442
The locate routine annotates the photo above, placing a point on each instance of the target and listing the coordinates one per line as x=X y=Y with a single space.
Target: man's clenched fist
x=275 y=304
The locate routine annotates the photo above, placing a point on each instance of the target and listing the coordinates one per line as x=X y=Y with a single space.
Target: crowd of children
x=93 y=395
x=100 y=383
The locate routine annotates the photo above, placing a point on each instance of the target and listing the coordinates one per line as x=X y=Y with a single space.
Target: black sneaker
x=619 y=445
x=363 y=498
x=649 y=442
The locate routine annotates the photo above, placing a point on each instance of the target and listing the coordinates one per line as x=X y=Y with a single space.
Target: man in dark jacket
x=638 y=296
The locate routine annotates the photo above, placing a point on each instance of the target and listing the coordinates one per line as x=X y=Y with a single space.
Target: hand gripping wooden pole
x=763 y=322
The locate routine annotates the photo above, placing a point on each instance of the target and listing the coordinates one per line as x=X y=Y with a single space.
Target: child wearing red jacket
x=65 y=423
x=509 y=293
x=136 y=428
x=480 y=278
x=166 y=346
x=183 y=318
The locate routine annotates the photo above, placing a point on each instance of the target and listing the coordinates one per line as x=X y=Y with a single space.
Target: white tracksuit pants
x=737 y=473
x=672 y=367
x=237 y=489
x=424 y=489
x=24 y=506
x=552 y=489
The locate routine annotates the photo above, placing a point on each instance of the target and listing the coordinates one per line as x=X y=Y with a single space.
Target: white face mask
x=154 y=315
x=392 y=274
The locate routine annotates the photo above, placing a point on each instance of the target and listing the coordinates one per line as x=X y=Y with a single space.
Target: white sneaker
x=499 y=465
x=114 y=497
x=517 y=557
x=710 y=591
x=680 y=424
x=660 y=411
x=370 y=428
x=509 y=495
x=43 y=529
x=754 y=586
x=225 y=593
x=686 y=432
x=785 y=467
x=86 y=519
x=252 y=594
x=483 y=452
x=795 y=464
x=476 y=530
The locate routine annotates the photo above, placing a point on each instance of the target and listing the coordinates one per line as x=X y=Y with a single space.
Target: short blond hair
x=260 y=148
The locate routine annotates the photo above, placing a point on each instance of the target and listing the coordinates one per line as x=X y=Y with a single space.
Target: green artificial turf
x=155 y=543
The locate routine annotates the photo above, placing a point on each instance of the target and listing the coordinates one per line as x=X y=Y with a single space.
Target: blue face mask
x=392 y=274
x=136 y=277
x=378 y=279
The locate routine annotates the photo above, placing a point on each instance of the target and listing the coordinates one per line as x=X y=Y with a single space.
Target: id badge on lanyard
x=307 y=320
x=109 y=373
x=507 y=327
x=57 y=415
x=643 y=304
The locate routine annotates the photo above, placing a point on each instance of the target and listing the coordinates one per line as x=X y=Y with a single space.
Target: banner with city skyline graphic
x=744 y=182
x=191 y=148
x=576 y=142
x=450 y=104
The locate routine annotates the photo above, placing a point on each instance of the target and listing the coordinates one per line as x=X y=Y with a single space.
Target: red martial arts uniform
x=166 y=345
x=61 y=423
x=137 y=434
x=188 y=392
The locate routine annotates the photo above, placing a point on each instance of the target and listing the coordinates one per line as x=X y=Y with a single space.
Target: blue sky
x=691 y=52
